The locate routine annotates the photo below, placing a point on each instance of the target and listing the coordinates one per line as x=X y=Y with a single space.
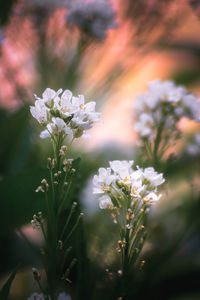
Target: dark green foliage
x=5 y=10
x=15 y=136
x=19 y=200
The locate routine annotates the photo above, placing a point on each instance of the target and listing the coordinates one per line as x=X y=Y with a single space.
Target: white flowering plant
x=64 y=118
x=128 y=194
x=158 y=112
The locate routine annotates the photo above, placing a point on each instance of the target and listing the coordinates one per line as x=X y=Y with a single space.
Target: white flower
x=80 y=121
x=153 y=177
x=152 y=197
x=144 y=126
x=89 y=109
x=151 y=100
x=45 y=134
x=102 y=181
x=105 y=202
x=176 y=94
x=79 y=101
x=85 y=114
x=39 y=111
x=66 y=105
x=137 y=175
x=166 y=90
x=49 y=96
x=58 y=126
x=137 y=188
x=122 y=168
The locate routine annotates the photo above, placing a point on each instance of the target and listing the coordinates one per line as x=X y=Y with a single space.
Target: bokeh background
x=40 y=48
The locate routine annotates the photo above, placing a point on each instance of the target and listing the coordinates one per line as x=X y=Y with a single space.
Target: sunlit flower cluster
x=121 y=185
x=93 y=18
x=164 y=105
x=63 y=114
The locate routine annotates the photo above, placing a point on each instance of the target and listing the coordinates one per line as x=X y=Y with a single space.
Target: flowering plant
x=62 y=117
x=128 y=195
x=158 y=112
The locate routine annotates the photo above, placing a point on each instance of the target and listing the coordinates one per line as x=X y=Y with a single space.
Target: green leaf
x=4 y=293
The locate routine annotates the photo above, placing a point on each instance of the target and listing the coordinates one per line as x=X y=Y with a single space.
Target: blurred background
x=108 y=53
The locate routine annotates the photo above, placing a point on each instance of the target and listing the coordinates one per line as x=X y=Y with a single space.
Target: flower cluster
x=163 y=106
x=64 y=115
x=120 y=184
x=128 y=194
x=93 y=18
x=37 y=221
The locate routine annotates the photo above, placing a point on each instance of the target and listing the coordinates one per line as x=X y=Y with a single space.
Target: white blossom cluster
x=194 y=147
x=63 y=114
x=37 y=221
x=94 y=17
x=120 y=181
x=61 y=296
x=164 y=103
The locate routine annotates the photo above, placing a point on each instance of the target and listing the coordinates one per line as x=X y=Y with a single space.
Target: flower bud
x=119 y=184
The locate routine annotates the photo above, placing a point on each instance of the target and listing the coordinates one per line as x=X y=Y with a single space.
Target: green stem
x=73 y=229
x=156 y=144
x=68 y=220
x=148 y=148
x=65 y=257
x=64 y=198
x=69 y=146
x=125 y=266
x=49 y=215
x=136 y=236
x=52 y=185
x=43 y=232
